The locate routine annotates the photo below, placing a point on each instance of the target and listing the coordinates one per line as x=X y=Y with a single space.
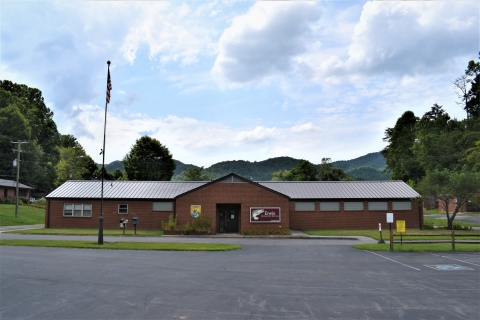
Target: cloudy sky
x=239 y=80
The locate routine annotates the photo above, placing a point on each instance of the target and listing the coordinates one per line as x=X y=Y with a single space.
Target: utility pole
x=19 y=149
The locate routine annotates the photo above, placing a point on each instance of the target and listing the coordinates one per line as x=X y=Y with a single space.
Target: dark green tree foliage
x=399 y=156
x=117 y=174
x=304 y=171
x=450 y=187
x=441 y=142
x=195 y=174
x=472 y=105
x=149 y=160
x=41 y=133
x=328 y=172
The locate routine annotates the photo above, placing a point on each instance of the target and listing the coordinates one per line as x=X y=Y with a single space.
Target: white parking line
x=453 y=259
x=406 y=265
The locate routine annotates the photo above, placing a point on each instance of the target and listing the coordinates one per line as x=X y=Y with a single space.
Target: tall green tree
x=450 y=187
x=400 y=159
x=149 y=160
x=328 y=172
x=195 y=174
x=304 y=171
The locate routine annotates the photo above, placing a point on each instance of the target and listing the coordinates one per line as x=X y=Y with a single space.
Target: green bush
x=460 y=226
x=41 y=201
x=7 y=201
x=284 y=232
x=428 y=225
x=171 y=224
x=202 y=223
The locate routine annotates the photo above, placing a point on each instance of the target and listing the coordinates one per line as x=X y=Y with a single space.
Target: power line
x=17 y=163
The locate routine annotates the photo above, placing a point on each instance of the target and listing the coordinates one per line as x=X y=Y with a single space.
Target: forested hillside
x=368 y=167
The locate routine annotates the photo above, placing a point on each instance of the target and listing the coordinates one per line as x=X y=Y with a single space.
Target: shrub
x=459 y=226
x=8 y=201
x=202 y=223
x=171 y=224
x=41 y=201
x=428 y=225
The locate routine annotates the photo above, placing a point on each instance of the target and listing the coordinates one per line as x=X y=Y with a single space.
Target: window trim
x=83 y=210
x=329 y=210
x=345 y=209
x=397 y=202
x=163 y=210
x=382 y=209
x=122 y=204
x=303 y=210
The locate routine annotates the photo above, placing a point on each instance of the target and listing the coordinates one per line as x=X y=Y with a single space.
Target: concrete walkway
x=10 y=228
x=296 y=238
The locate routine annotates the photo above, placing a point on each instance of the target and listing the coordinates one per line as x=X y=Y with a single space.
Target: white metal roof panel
x=13 y=184
x=123 y=189
x=342 y=189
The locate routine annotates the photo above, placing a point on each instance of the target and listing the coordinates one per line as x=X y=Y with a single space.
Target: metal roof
x=123 y=189
x=342 y=189
x=13 y=184
x=293 y=189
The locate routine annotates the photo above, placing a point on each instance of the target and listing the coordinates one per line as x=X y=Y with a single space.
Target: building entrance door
x=228 y=218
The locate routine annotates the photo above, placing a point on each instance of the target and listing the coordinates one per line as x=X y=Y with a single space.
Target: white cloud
x=171 y=33
x=265 y=41
x=405 y=38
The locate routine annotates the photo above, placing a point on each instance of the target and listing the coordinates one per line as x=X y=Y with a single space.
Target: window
x=123 y=209
x=378 y=205
x=353 y=206
x=402 y=205
x=305 y=206
x=162 y=206
x=329 y=206
x=77 y=210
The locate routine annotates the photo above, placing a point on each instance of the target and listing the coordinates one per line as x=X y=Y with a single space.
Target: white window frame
x=120 y=209
x=375 y=206
x=299 y=208
x=345 y=205
x=330 y=203
x=84 y=208
x=399 y=205
x=163 y=202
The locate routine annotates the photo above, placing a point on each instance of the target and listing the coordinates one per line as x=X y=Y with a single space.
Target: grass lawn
x=373 y=233
x=26 y=215
x=91 y=232
x=430 y=247
x=158 y=246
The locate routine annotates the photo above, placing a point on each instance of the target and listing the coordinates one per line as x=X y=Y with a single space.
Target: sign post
x=401 y=228
x=380 y=229
x=390 y=221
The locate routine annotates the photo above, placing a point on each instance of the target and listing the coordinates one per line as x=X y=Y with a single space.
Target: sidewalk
x=9 y=228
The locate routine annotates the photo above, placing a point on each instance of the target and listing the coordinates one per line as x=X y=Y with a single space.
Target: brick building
x=8 y=190
x=235 y=204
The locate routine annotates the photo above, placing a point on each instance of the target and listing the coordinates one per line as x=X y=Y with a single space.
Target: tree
x=472 y=104
x=400 y=159
x=117 y=174
x=328 y=172
x=195 y=174
x=74 y=164
x=149 y=160
x=304 y=171
x=450 y=187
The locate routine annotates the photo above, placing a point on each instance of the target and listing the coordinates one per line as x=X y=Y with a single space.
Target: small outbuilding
x=8 y=189
x=235 y=204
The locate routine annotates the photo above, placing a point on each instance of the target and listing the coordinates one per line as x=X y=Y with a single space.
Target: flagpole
x=107 y=100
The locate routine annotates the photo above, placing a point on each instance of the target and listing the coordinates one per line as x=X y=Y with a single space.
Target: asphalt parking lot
x=267 y=279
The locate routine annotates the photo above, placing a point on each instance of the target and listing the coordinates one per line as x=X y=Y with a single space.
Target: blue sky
x=239 y=80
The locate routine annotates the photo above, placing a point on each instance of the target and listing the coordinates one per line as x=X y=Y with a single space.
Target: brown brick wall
x=324 y=220
x=246 y=194
x=147 y=219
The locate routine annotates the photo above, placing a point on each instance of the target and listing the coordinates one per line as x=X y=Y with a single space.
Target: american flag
x=109 y=86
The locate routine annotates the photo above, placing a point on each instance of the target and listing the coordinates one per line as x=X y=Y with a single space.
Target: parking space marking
x=453 y=259
x=447 y=267
x=403 y=264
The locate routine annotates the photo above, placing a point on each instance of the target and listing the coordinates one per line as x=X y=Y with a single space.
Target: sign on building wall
x=265 y=214
x=195 y=210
